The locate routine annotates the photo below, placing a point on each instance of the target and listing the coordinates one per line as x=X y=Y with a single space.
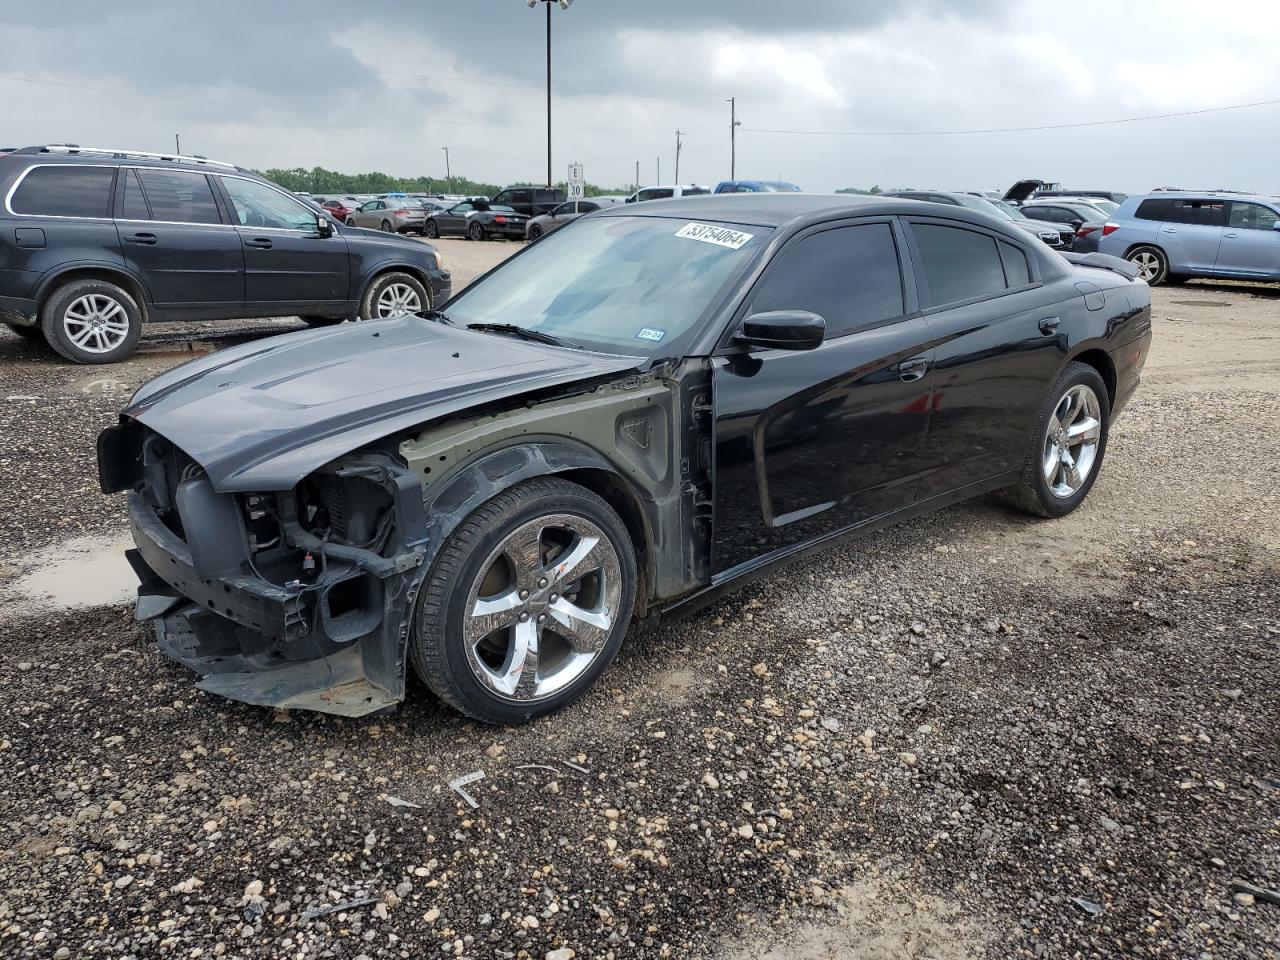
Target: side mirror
x=324 y=226
x=1276 y=225
x=783 y=330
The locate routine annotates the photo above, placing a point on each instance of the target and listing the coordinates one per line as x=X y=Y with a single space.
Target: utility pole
x=548 y=5
x=177 y=144
x=658 y=179
x=733 y=135
x=677 y=156
x=447 y=175
x=637 y=174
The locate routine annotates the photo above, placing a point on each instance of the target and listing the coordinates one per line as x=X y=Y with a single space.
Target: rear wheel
x=1067 y=445
x=394 y=295
x=475 y=231
x=386 y=227
x=526 y=604
x=1152 y=264
x=91 y=321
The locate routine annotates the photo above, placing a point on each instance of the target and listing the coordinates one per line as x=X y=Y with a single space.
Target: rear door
x=1250 y=243
x=811 y=442
x=288 y=264
x=173 y=233
x=1193 y=233
x=984 y=300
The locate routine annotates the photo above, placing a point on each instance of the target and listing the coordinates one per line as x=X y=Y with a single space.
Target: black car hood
x=263 y=415
x=1022 y=189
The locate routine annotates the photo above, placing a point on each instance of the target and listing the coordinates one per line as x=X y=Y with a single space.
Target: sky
x=829 y=93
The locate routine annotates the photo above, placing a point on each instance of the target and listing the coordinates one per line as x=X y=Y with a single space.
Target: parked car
x=627 y=418
x=528 y=201
x=338 y=209
x=390 y=215
x=1071 y=213
x=755 y=186
x=1053 y=234
x=477 y=220
x=569 y=210
x=1024 y=190
x=1111 y=196
x=95 y=243
x=1174 y=237
x=667 y=192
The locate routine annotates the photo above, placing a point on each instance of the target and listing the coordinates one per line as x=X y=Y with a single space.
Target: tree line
x=323 y=182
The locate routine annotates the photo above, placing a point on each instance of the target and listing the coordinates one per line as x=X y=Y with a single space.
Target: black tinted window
x=1153 y=210
x=849 y=276
x=1051 y=214
x=586 y=206
x=134 y=204
x=958 y=264
x=1017 y=273
x=1204 y=213
x=179 y=197
x=65 y=191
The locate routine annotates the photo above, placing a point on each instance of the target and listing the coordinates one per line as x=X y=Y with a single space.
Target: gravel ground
x=971 y=735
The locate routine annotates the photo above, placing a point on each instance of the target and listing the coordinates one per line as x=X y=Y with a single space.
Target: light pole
x=733 y=137
x=564 y=5
x=448 y=175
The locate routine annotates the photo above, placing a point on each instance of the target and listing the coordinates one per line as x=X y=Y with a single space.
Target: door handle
x=1230 y=236
x=912 y=369
x=1050 y=325
x=259 y=243
x=148 y=238
x=1168 y=230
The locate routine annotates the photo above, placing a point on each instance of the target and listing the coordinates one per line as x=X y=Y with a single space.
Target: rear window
x=65 y=191
x=179 y=197
x=1153 y=210
x=958 y=264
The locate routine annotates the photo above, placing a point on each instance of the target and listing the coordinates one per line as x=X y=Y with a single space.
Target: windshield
x=1008 y=209
x=630 y=285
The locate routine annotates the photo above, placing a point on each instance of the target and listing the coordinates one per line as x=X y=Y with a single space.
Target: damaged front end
x=298 y=598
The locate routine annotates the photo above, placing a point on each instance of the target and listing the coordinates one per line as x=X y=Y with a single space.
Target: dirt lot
x=973 y=735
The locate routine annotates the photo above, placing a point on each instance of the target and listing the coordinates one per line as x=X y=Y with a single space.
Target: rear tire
x=478 y=671
x=1152 y=264
x=475 y=232
x=91 y=321
x=1067 y=445
x=386 y=227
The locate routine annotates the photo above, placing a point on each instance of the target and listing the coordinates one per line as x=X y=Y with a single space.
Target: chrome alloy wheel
x=1071 y=441
x=397 y=300
x=96 y=323
x=1148 y=265
x=542 y=607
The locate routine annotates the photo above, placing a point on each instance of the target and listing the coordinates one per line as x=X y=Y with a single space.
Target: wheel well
x=397 y=268
x=1154 y=246
x=1101 y=361
x=615 y=491
x=130 y=285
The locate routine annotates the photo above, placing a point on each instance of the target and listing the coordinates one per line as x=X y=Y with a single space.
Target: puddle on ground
x=84 y=572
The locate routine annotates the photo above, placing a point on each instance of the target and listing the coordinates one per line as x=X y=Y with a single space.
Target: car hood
x=1022 y=189
x=263 y=415
x=1041 y=226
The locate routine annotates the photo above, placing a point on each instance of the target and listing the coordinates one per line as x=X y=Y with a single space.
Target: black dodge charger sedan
x=648 y=407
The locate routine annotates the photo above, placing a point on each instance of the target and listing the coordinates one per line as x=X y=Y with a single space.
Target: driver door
x=290 y=264
x=454 y=220
x=809 y=443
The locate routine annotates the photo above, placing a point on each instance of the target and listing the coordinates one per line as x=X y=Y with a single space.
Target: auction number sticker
x=720 y=236
x=651 y=333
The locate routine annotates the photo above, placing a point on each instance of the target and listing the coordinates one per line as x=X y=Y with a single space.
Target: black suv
x=96 y=242
x=531 y=201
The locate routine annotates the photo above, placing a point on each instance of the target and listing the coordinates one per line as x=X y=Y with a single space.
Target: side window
x=179 y=197
x=504 y=197
x=519 y=196
x=1252 y=216
x=958 y=264
x=587 y=206
x=849 y=276
x=1154 y=210
x=134 y=204
x=563 y=210
x=257 y=205
x=1017 y=272
x=1201 y=213
x=546 y=196
x=65 y=191
x=1051 y=214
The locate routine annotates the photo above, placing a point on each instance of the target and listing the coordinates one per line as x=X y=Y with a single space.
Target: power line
x=1047 y=126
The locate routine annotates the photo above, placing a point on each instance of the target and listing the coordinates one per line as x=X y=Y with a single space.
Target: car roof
x=777 y=209
x=1202 y=195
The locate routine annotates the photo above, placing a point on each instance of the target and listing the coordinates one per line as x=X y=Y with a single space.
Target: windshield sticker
x=720 y=236
x=651 y=333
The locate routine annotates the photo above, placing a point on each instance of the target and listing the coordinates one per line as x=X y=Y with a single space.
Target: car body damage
x=298 y=592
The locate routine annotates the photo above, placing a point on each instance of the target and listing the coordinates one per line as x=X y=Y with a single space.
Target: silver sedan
x=569 y=210
x=390 y=214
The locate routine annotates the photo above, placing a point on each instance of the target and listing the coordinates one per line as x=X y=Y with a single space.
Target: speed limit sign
x=576 y=189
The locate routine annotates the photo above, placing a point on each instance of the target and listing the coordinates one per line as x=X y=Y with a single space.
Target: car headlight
x=439 y=260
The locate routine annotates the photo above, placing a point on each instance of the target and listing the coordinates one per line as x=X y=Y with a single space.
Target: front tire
x=1152 y=264
x=526 y=604
x=394 y=295
x=475 y=231
x=1067 y=446
x=535 y=231
x=432 y=230
x=91 y=321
